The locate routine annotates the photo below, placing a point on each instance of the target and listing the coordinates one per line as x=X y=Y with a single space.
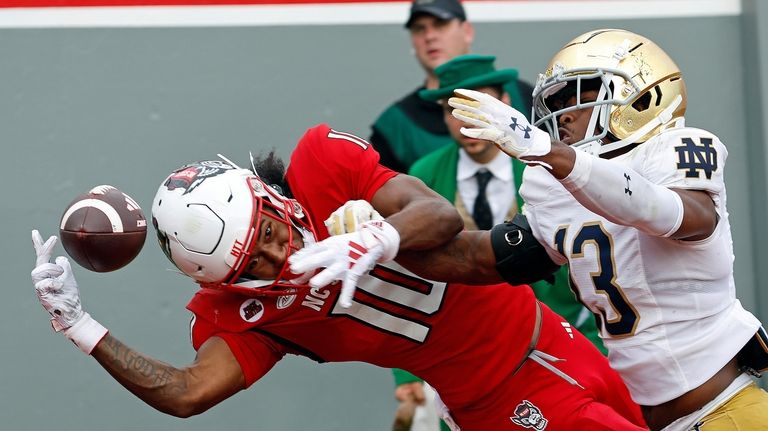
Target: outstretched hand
x=57 y=291
x=55 y=284
x=495 y=121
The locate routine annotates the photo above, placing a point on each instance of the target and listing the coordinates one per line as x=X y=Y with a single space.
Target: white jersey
x=666 y=309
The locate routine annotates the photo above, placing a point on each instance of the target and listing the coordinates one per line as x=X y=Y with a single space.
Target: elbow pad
x=520 y=258
x=623 y=196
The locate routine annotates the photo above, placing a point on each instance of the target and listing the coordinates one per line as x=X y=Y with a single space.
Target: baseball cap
x=442 y=9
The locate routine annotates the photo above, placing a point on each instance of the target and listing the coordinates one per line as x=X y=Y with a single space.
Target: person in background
x=413 y=127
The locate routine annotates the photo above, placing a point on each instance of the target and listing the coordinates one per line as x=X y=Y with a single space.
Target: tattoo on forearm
x=136 y=369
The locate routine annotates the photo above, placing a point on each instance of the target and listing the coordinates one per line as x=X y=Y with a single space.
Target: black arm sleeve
x=520 y=259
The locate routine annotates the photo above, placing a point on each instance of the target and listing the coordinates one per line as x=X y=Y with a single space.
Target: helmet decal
x=189 y=177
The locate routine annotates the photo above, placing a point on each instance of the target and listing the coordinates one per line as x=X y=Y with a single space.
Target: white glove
x=495 y=121
x=348 y=217
x=44 y=251
x=347 y=257
x=57 y=291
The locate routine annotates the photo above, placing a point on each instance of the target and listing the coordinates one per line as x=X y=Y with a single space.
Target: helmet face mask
x=548 y=108
x=640 y=89
x=208 y=216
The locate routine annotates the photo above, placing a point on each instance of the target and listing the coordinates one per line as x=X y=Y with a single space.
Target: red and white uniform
x=466 y=341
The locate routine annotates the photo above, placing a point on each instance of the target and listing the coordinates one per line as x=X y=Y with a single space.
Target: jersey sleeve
x=531 y=213
x=536 y=188
x=329 y=168
x=685 y=158
x=255 y=352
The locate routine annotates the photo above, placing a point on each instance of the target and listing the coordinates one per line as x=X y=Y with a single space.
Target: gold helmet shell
x=638 y=84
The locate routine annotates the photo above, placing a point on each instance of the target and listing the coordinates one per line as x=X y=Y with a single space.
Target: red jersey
x=466 y=341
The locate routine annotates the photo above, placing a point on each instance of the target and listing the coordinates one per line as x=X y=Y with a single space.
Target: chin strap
x=662 y=119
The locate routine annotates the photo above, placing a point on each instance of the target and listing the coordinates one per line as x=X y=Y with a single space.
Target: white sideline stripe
x=111 y=213
x=355 y=13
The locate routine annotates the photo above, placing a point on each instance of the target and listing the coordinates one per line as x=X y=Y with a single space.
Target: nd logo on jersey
x=696 y=158
x=528 y=415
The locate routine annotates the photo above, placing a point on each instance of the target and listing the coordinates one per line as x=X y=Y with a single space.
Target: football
x=103 y=229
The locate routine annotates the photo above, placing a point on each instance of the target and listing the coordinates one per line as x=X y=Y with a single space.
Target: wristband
x=387 y=235
x=86 y=333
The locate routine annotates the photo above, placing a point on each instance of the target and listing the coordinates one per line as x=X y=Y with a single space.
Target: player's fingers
x=66 y=267
x=471 y=95
x=302 y=279
x=328 y=275
x=468 y=110
x=465 y=104
x=43 y=250
x=348 y=286
x=46 y=286
x=37 y=239
x=347 y=293
x=350 y=219
x=46 y=270
x=470 y=132
x=361 y=267
x=334 y=224
x=310 y=258
x=469 y=118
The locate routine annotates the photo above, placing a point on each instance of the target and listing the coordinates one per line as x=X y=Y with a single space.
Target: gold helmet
x=640 y=89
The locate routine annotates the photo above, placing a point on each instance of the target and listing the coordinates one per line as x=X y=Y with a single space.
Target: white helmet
x=207 y=214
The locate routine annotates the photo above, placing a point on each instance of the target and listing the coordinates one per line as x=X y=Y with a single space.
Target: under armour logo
x=626 y=189
x=524 y=129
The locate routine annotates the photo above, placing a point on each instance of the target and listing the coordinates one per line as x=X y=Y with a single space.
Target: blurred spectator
x=413 y=127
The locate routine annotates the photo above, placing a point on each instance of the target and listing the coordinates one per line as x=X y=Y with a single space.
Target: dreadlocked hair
x=271 y=169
